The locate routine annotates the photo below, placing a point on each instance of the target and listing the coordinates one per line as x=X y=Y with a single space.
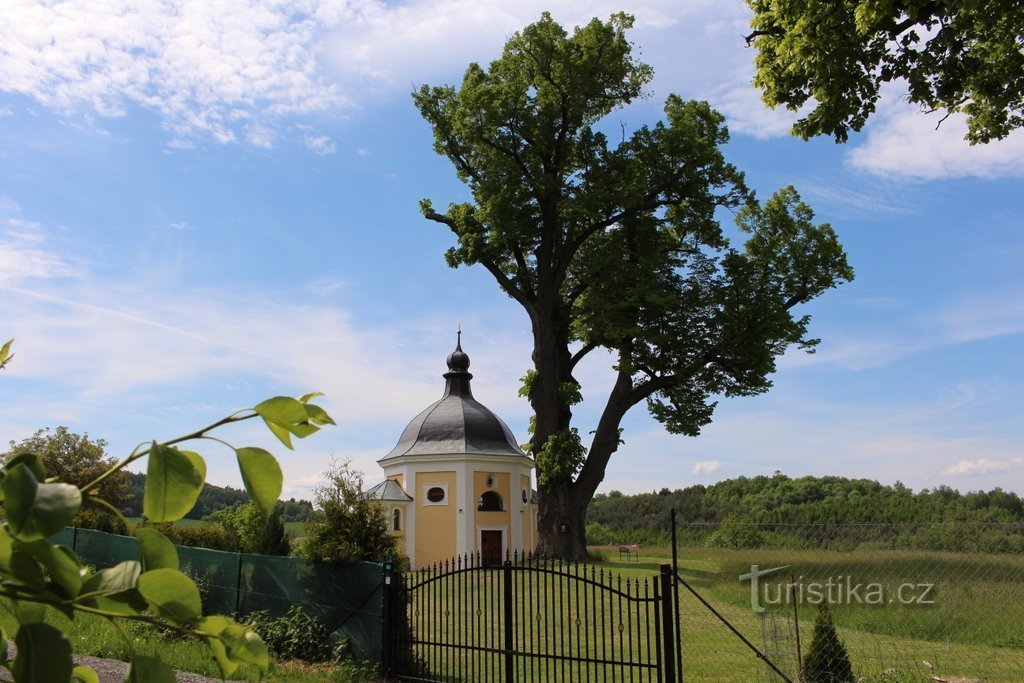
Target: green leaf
x=83 y=674
x=26 y=570
x=157 y=550
x=6 y=548
x=5 y=353
x=44 y=655
x=3 y=645
x=318 y=415
x=34 y=510
x=30 y=460
x=114 y=589
x=29 y=612
x=145 y=669
x=174 y=480
x=282 y=410
x=245 y=646
x=214 y=625
x=262 y=477
x=172 y=594
x=61 y=565
x=283 y=435
x=285 y=416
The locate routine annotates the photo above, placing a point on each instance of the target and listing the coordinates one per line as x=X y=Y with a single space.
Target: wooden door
x=490 y=548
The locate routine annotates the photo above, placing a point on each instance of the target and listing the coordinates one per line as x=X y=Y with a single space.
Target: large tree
x=618 y=247
x=77 y=459
x=953 y=55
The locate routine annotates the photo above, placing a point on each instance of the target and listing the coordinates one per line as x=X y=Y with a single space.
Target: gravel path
x=113 y=670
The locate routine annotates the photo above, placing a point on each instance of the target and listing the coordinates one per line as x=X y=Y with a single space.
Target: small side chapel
x=457 y=482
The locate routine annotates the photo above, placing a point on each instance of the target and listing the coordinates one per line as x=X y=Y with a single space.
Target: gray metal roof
x=457 y=423
x=389 y=489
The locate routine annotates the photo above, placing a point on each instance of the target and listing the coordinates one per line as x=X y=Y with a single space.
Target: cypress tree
x=827 y=661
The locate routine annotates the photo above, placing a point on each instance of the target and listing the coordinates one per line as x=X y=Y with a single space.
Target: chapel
x=457 y=483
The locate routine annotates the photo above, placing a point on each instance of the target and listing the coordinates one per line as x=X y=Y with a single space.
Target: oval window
x=435 y=494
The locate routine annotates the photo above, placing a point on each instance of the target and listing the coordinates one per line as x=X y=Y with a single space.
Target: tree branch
x=579 y=355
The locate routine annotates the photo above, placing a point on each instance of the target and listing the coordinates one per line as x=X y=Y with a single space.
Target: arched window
x=396 y=520
x=490 y=502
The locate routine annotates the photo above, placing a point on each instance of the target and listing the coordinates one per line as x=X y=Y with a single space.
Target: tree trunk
x=562 y=522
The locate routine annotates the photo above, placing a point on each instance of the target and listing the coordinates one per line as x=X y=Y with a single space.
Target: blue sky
x=204 y=207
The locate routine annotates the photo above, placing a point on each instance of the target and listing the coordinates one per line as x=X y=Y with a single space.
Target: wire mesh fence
x=911 y=602
x=345 y=598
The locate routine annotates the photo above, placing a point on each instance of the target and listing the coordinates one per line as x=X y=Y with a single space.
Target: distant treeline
x=214 y=498
x=760 y=511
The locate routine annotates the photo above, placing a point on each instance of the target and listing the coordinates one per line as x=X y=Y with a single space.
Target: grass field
x=970 y=629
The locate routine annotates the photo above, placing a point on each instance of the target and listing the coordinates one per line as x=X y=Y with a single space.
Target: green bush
x=351 y=528
x=827 y=660
x=296 y=635
x=209 y=536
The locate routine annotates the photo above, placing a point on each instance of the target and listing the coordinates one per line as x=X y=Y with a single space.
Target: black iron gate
x=529 y=619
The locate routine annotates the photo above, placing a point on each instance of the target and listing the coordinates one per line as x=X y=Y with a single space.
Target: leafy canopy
x=616 y=243
x=76 y=459
x=952 y=55
x=351 y=527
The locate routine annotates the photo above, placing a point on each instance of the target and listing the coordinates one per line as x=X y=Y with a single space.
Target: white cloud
x=24 y=255
x=740 y=101
x=228 y=68
x=322 y=145
x=983 y=316
x=707 y=467
x=233 y=70
x=902 y=141
x=983 y=466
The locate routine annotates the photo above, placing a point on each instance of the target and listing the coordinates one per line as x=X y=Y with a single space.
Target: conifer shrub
x=827 y=660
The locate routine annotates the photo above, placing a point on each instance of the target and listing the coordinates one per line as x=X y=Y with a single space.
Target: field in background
x=971 y=627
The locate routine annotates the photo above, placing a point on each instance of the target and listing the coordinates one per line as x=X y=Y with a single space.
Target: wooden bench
x=629 y=552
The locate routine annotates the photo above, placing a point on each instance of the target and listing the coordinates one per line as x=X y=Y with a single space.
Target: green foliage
x=76 y=459
x=296 y=635
x=38 y=576
x=616 y=244
x=274 y=540
x=827 y=660
x=251 y=530
x=351 y=527
x=953 y=56
x=212 y=536
x=5 y=353
x=738 y=505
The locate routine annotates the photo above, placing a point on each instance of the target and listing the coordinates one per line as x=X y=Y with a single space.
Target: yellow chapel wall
x=435 y=523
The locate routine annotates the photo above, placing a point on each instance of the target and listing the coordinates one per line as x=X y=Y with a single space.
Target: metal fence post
x=238 y=587
x=509 y=612
x=668 y=621
x=387 y=619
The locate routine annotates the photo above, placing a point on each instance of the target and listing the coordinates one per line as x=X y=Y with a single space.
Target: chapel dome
x=457 y=423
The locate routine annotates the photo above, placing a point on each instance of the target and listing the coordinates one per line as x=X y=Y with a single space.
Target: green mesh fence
x=345 y=598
